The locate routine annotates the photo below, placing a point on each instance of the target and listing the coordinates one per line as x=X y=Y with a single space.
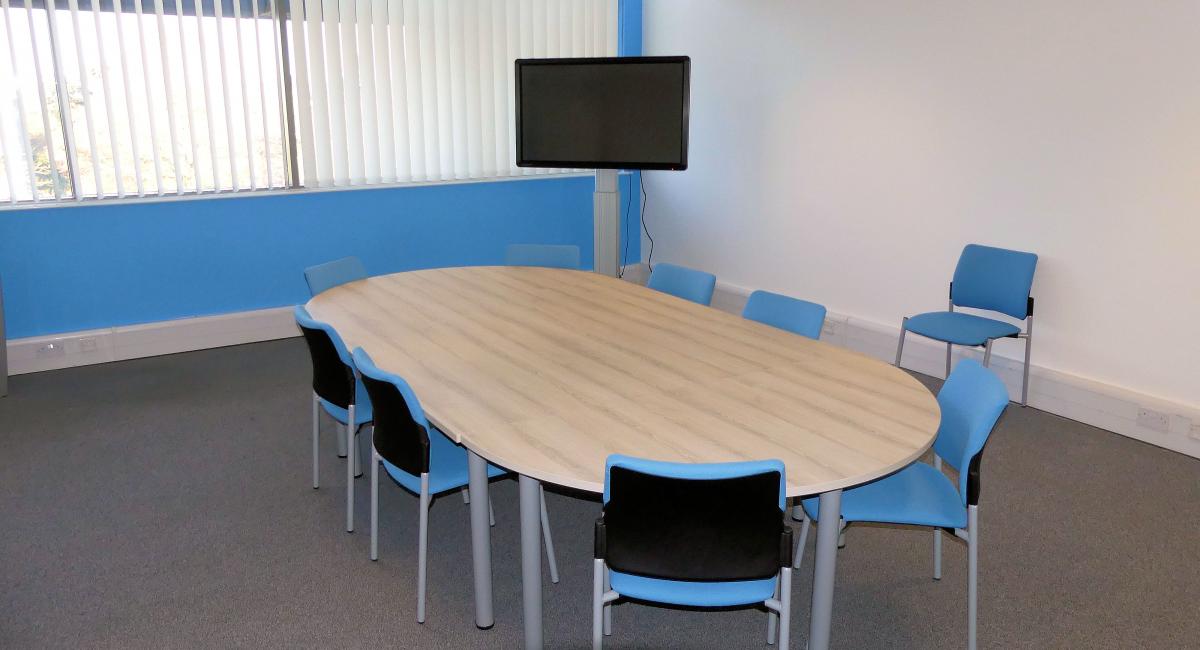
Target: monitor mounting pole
x=606 y=221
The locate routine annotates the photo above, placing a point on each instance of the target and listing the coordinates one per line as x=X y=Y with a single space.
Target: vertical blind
x=423 y=90
x=126 y=98
x=120 y=98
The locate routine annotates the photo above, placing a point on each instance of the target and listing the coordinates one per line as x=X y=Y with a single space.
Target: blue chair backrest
x=331 y=274
x=792 y=314
x=400 y=430
x=331 y=362
x=549 y=255
x=996 y=279
x=971 y=400
x=739 y=536
x=682 y=282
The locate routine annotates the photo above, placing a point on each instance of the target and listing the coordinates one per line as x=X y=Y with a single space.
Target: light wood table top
x=546 y=372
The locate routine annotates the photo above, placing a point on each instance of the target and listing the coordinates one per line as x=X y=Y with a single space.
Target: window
x=125 y=98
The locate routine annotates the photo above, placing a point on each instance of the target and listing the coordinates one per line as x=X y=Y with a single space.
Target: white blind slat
x=187 y=98
x=20 y=110
x=247 y=123
x=351 y=96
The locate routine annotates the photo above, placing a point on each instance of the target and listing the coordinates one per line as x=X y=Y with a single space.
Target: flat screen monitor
x=603 y=113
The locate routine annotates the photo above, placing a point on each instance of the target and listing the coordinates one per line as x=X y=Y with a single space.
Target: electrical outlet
x=831 y=328
x=87 y=344
x=51 y=350
x=1153 y=420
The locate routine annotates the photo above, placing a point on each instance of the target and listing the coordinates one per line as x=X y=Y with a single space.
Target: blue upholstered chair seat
x=362 y=412
x=918 y=495
x=959 y=328
x=693 y=594
x=447 y=467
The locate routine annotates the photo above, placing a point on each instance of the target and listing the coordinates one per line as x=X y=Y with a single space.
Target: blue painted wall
x=81 y=267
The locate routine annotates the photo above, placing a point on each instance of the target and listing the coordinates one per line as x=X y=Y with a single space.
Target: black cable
x=650 y=259
x=625 y=222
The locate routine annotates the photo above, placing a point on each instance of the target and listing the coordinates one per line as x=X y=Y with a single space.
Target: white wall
x=845 y=151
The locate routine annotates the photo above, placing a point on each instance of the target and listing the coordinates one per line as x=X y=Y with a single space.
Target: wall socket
x=1195 y=433
x=51 y=350
x=1153 y=420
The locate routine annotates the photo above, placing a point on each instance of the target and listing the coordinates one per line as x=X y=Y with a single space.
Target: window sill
x=242 y=194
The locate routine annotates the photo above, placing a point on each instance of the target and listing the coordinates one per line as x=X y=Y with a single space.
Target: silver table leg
x=531 y=560
x=823 y=572
x=481 y=540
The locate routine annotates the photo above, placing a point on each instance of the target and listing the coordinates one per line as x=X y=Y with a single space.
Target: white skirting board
x=1103 y=405
x=39 y=353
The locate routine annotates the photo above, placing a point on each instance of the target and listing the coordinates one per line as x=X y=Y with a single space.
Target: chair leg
x=374 y=504
x=937 y=533
x=598 y=572
x=316 y=426
x=785 y=608
x=466 y=492
x=607 y=606
x=772 y=618
x=987 y=353
x=799 y=554
x=350 y=473
x=949 y=353
x=841 y=533
x=1025 y=380
x=491 y=512
x=797 y=511
x=422 y=547
x=358 y=453
x=900 y=346
x=937 y=554
x=549 y=539
x=972 y=574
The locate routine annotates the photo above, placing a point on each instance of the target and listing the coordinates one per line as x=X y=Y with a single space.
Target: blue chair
x=337 y=391
x=331 y=274
x=682 y=282
x=420 y=459
x=971 y=400
x=737 y=553
x=323 y=277
x=787 y=313
x=992 y=279
x=548 y=255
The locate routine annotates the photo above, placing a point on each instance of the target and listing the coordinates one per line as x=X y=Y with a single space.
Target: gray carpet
x=165 y=502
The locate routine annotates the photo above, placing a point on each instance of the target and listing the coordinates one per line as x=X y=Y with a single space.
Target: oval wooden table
x=546 y=372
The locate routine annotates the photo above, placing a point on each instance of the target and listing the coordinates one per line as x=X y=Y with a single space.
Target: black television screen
x=603 y=113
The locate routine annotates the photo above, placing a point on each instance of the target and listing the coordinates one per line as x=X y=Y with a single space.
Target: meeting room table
x=546 y=372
